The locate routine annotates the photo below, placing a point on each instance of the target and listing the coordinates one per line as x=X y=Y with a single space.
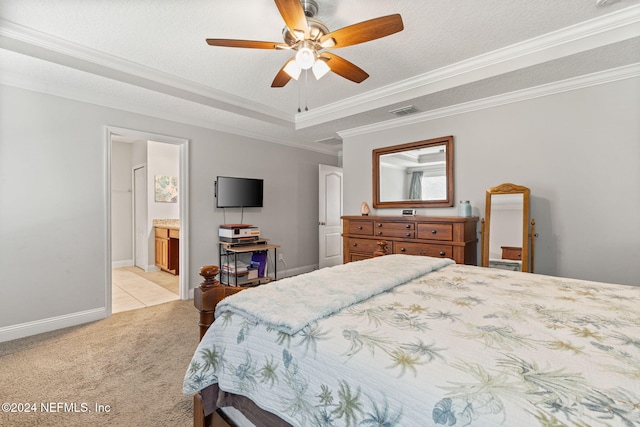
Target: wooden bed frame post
x=205 y=298
x=199 y=419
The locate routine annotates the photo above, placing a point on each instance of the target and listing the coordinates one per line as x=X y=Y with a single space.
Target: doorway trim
x=134 y=215
x=183 y=191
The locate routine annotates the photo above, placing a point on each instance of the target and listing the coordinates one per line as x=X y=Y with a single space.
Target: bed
x=405 y=340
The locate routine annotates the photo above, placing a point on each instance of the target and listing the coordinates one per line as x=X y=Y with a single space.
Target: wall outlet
x=281 y=257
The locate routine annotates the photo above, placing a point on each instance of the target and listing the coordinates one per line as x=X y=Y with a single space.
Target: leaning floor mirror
x=506 y=234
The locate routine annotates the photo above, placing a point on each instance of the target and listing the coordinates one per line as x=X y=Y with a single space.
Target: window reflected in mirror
x=419 y=174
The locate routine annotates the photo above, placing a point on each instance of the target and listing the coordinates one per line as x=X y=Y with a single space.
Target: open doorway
x=131 y=239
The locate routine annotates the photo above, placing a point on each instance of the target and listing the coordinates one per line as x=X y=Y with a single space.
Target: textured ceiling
x=150 y=56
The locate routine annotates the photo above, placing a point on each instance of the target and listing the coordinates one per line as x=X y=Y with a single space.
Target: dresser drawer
x=395 y=229
x=365 y=246
x=407 y=234
x=359 y=257
x=439 y=251
x=512 y=253
x=435 y=231
x=364 y=228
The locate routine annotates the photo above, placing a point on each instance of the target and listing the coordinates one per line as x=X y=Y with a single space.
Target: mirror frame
x=507 y=188
x=447 y=141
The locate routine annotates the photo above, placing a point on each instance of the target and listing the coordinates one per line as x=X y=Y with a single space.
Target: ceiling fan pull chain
x=299 y=98
x=306 y=90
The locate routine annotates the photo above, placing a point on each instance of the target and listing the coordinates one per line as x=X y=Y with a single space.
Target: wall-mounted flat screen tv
x=238 y=192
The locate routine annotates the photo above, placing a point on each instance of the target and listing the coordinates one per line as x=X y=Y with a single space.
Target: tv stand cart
x=230 y=252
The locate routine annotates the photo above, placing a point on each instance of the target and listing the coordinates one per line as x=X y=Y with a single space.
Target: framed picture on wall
x=166 y=189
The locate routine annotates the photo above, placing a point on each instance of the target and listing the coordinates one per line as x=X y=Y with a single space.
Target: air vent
x=404 y=111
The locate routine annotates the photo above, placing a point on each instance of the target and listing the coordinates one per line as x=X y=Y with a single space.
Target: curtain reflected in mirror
x=415 y=189
x=505 y=229
x=419 y=174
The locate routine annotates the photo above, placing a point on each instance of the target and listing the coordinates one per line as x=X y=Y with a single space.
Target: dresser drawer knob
x=407 y=226
x=354 y=245
x=441 y=253
x=403 y=250
x=379 y=225
x=434 y=231
x=359 y=227
x=408 y=234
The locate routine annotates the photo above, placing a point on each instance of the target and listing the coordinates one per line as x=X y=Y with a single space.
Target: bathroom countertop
x=167 y=223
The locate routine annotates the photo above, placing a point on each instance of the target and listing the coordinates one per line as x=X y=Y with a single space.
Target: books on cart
x=238 y=268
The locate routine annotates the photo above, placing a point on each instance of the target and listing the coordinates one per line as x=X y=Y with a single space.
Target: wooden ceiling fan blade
x=344 y=68
x=282 y=78
x=293 y=15
x=250 y=44
x=363 y=32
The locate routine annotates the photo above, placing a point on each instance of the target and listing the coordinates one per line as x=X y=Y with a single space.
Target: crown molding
x=611 y=28
x=40 y=45
x=614 y=27
x=14 y=80
x=594 y=79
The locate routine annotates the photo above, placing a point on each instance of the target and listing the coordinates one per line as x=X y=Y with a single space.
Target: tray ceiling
x=151 y=57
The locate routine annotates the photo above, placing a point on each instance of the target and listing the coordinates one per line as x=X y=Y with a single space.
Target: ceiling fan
x=309 y=37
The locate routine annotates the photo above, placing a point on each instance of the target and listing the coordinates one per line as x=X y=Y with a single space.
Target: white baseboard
x=129 y=263
x=123 y=263
x=282 y=273
x=22 y=330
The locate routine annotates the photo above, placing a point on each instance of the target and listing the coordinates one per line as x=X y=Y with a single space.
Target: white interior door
x=140 y=216
x=330 y=211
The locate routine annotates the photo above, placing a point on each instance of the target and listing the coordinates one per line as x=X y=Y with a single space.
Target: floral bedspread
x=461 y=346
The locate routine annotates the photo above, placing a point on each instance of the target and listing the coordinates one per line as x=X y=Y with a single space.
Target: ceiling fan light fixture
x=320 y=68
x=306 y=56
x=308 y=36
x=293 y=69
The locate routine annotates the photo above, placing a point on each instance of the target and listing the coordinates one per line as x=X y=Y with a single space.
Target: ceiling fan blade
x=251 y=44
x=282 y=78
x=293 y=15
x=363 y=32
x=344 y=68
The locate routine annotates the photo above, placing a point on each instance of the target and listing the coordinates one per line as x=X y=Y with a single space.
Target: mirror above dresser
x=414 y=175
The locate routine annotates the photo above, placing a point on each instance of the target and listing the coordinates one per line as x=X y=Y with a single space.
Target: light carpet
x=126 y=370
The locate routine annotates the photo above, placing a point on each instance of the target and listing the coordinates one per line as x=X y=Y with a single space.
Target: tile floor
x=132 y=288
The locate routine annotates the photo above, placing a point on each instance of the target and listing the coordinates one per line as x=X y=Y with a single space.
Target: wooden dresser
x=445 y=237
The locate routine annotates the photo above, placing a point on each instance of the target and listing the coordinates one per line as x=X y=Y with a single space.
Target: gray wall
x=578 y=152
x=53 y=216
